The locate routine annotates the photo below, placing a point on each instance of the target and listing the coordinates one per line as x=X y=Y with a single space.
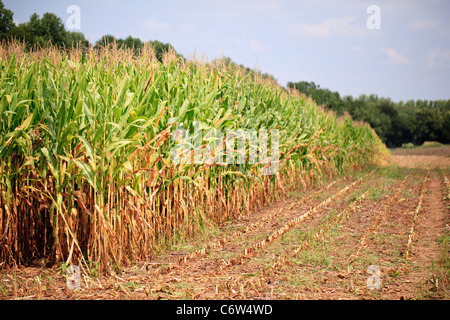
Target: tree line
x=396 y=123
x=50 y=30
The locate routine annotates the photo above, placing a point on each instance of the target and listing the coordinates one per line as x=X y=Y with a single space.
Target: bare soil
x=317 y=244
x=422 y=161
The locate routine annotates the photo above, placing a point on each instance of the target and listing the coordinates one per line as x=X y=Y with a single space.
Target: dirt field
x=422 y=161
x=426 y=158
x=318 y=244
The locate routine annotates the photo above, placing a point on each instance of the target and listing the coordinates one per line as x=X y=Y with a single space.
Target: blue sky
x=324 y=41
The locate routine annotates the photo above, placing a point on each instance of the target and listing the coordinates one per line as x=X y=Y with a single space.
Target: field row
x=107 y=160
x=319 y=244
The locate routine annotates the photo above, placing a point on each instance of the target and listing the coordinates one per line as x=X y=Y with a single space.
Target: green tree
x=406 y=118
x=46 y=30
x=428 y=125
x=161 y=48
x=106 y=40
x=133 y=43
x=51 y=29
x=395 y=123
x=6 y=22
x=23 y=32
x=74 y=39
x=136 y=44
x=129 y=42
x=446 y=127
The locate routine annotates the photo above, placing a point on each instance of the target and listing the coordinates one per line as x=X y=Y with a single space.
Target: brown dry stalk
x=377 y=222
x=256 y=283
x=288 y=226
x=416 y=214
x=283 y=260
x=240 y=233
x=113 y=195
x=447 y=187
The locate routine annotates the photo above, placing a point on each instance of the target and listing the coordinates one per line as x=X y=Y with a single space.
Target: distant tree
x=52 y=30
x=428 y=125
x=129 y=42
x=406 y=118
x=133 y=43
x=388 y=108
x=161 y=48
x=24 y=32
x=6 y=22
x=136 y=44
x=446 y=127
x=395 y=123
x=106 y=40
x=74 y=39
x=48 y=30
x=332 y=100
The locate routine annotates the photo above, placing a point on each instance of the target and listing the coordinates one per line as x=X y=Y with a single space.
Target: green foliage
x=247 y=71
x=395 y=123
x=136 y=44
x=6 y=22
x=48 y=30
x=331 y=100
x=88 y=143
x=128 y=43
x=76 y=39
x=408 y=145
x=161 y=48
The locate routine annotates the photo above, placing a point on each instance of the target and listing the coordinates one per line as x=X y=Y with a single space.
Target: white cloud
x=395 y=57
x=153 y=25
x=358 y=48
x=438 y=57
x=337 y=26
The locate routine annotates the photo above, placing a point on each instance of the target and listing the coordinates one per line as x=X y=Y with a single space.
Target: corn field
x=85 y=169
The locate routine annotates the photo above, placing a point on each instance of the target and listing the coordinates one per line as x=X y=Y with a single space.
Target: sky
x=398 y=49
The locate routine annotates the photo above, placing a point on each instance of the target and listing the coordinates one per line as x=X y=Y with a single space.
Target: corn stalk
x=85 y=139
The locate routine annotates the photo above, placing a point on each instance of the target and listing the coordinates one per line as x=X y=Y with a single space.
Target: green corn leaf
x=88 y=147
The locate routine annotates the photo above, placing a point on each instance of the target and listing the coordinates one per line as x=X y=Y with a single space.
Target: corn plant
x=85 y=139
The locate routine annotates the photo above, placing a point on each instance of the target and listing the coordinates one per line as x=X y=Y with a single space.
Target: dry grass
x=442 y=151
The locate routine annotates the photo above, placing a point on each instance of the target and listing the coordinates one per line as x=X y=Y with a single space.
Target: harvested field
x=442 y=151
x=153 y=180
x=422 y=161
x=317 y=244
x=425 y=158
